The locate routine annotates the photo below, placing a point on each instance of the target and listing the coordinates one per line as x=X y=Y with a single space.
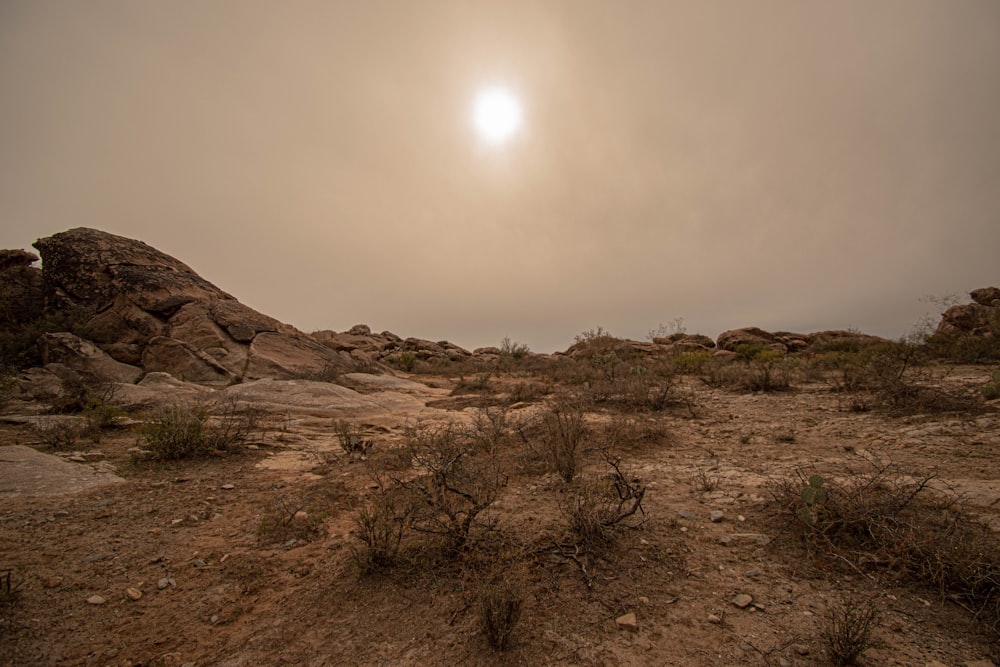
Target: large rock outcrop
x=979 y=318
x=148 y=310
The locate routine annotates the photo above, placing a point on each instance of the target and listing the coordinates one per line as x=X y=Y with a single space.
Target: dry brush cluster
x=442 y=511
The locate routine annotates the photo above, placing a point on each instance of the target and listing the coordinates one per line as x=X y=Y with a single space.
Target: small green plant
x=404 y=361
x=352 y=439
x=991 y=390
x=500 y=605
x=848 y=631
x=813 y=495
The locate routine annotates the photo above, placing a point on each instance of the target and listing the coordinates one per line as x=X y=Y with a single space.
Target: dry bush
x=759 y=369
x=461 y=477
x=848 y=631
x=180 y=430
x=600 y=506
x=480 y=384
x=62 y=433
x=563 y=431
x=381 y=524
x=287 y=518
x=893 y=377
x=884 y=520
x=500 y=605
x=624 y=431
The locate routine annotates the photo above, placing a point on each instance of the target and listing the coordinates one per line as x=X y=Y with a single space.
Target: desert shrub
x=513 y=349
x=749 y=351
x=475 y=385
x=847 y=632
x=601 y=505
x=883 y=519
x=622 y=431
x=98 y=406
x=62 y=433
x=287 y=518
x=894 y=377
x=352 y=439
x=991 y=390
x=563 y=431
x=8 y=384
x=9 y=600
x=691 y=363
x=525 y=392
x=761 y=370
x=181 y=431
x=404 y=361
x=500 y=604
x=381 y=524
x=461 y=477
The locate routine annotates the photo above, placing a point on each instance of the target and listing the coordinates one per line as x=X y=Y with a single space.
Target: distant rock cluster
x=133 y=314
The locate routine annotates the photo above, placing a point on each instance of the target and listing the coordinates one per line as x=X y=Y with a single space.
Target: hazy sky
x=788 y=164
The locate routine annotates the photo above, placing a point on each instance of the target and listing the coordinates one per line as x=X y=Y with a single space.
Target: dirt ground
x=171 y=566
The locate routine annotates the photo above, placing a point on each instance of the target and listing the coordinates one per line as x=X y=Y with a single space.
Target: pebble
x=199 y=563
x=742 y=600
x=687 y=514
x=227 y=487
x=712 y=618
x=628 y=622
x=716 y=516
x=801 y=649
x=96 y=599
x=643 y=599
x=163 y=582
x=133 y=593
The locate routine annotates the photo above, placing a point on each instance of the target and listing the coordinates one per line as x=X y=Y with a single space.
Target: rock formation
x=142 y=311
x=979 y=318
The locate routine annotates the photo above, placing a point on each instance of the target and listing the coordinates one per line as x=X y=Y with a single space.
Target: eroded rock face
x=21 y=300
x=151 y=311
x=730 y=340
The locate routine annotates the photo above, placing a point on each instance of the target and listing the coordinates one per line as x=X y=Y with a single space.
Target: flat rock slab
x=28 y=472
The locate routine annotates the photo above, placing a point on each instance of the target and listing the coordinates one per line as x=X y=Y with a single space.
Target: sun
x=496 y=115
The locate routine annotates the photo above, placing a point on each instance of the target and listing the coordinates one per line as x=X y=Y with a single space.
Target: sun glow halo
x=496 y=115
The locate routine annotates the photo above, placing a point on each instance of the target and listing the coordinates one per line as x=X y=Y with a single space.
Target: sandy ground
x=166 y=564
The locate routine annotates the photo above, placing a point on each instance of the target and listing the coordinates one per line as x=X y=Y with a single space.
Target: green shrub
x=991 y=390
x=181 y=431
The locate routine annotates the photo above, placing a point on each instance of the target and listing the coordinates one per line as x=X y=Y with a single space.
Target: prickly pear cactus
x=813 y=496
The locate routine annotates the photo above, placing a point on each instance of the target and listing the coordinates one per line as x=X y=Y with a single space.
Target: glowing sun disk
x=496 y=115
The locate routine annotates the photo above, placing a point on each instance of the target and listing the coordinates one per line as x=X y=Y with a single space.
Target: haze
x=792 y=165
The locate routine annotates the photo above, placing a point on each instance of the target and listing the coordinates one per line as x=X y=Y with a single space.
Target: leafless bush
x=62 y=432
x=601 y=505
x=381 y=524
x=460 y=479
x=287 y=519
x=563 y=432
x=500 y=605
x=848 y=631
x=181 y=431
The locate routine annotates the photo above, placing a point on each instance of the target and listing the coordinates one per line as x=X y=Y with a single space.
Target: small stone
x=199 y=563
x=687 y=514
x=60 y=514
x=758 y=606
x=628 y=622
x=133 y=593
x=716 y=516
x=96 y=600
x=176 y=522
x=740 y=518
x=801 y=649
x=712 y=618
x=742 y=600
x=52 y=582
x=227 y=487
x=643 y=599
x=753 y=573
x=78 y=458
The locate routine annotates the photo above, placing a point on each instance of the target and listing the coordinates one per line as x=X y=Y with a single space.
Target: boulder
x=986 y=296
x=145 y=307
x=686 y=340
x=280 y=356
x=730 y=340
x=85 y=358
x=971 y=318
x=185 y=362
